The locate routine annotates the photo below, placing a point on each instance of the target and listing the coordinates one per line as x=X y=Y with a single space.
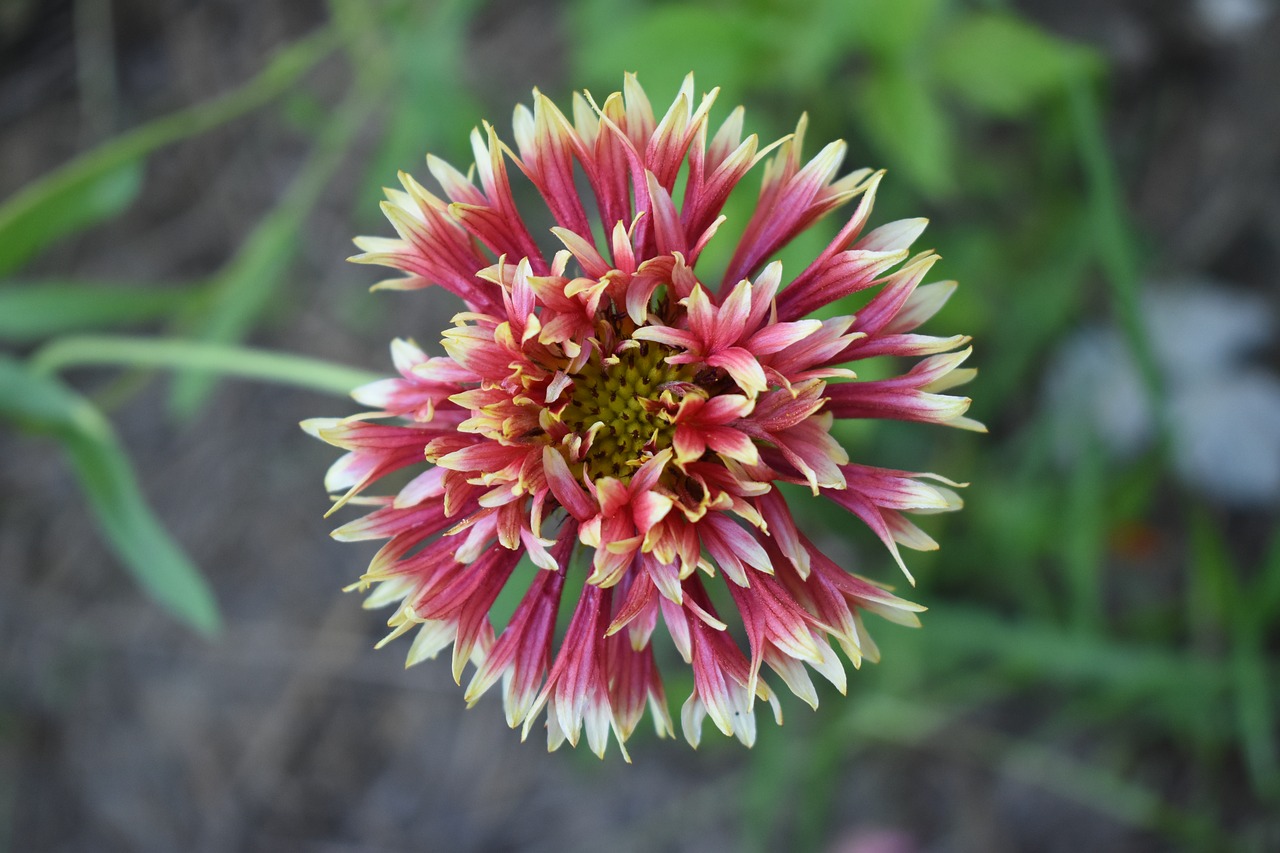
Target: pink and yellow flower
x=612 y=403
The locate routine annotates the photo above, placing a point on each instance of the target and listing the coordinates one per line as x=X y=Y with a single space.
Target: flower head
x=612 y=402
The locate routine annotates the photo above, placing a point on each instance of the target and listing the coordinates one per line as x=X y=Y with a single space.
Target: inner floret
x=632 y=396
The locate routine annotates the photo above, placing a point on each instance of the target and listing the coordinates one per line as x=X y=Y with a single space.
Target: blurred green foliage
x=985 y=121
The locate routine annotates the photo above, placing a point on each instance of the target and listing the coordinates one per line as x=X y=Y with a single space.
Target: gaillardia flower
x=624 y=423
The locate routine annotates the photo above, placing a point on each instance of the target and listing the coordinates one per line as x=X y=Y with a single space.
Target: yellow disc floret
x=630 y=395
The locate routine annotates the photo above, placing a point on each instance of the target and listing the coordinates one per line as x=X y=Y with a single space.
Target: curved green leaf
x=67 y=208
x=102 y=181
x=159 y=565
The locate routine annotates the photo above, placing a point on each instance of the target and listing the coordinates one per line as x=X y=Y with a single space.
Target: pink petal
x=666 y=222
x=688 y=443
x=648 y=508
x=567 y=491
x=779 y=336
x=733 y=444
x=742 y=366
x=702 y=314
x=668 y=336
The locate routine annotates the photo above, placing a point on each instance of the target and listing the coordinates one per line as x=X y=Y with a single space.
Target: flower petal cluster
x=624 y=423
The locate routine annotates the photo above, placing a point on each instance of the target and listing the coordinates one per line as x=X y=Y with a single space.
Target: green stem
x=182 y=354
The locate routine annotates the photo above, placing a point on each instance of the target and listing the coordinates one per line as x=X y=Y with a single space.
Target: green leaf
x=32 y=311
x=102 y=181
x=1004 y=65
x=1265 y=590
x=67 y=209
x=907 y=127
x=828 y=32
x=36 y=403
x=156 y=561
x=1255 y=713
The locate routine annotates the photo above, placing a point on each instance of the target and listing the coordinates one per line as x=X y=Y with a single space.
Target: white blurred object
x=1225 y=413
x=1200 y=330
x=874 y=840
x=1232 y=18
x=1228 y=437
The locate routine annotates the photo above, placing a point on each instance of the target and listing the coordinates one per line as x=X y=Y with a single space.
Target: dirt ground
x=119 y=730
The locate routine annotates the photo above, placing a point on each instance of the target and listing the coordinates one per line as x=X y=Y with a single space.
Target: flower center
x=630 y=395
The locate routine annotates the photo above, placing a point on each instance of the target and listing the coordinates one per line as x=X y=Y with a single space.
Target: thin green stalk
x=181 y=354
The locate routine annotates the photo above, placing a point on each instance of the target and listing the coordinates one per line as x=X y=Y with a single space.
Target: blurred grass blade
x=1047 y=300
x=1214 y=590
x=33 y=311
x=1255 y=714
x=159 y=565
x=769 y=790
x=244 y=288
x=157 y=562
x=1218 y=603
x=425 y=47
x=1266 y=589
x=1083 y=538
x=102 y=181
x=200 y=357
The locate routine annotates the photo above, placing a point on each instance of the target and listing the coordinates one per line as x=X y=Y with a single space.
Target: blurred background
x=178 y=667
